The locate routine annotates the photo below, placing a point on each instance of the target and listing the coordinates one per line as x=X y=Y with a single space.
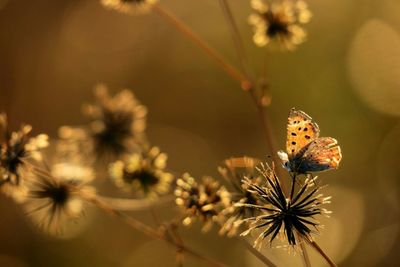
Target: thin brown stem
x=322 y=253
x=128 y=204
x=257 y=253
x=306 y=258
x=237 y=39
x=151 y=232
x=265 y=122
x=212 y=53
x=268 y=133
x=293 y=185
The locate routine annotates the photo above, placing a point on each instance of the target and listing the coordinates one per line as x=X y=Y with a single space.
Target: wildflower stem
x=139 y=226
x=237 y=39
x=293 y=185
x=322 y=253
x=306 y=259
x=257 y=253
x=126 y=204
x=184 y=29
x=265 y=123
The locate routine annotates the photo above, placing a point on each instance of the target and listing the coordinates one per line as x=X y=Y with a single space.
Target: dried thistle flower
x=234 y=170
x=117 y=126
x=56 y=199
x=203 y=201
x=280 y=22
x=15 y=149
x=143 y=173
x=292 y=216
x=129 y=6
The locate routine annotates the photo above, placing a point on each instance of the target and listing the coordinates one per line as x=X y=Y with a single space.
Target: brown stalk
x=149 y=231
x=322 y=253
x=256 y=253
x=265 y=122
x=211 y=52
x=267 y=127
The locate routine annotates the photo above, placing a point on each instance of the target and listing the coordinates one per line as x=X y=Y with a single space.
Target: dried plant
x=255 y=197
x=144 y=173
x=294 y=214
x=279 y=22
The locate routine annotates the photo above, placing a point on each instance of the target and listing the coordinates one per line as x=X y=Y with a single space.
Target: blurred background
x=346 y=76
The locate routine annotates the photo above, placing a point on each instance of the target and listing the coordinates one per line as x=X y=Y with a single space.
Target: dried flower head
x=234 y=170
x=118 y=122
x=292 y=216
x=203 y=201
x=129 y=6
x=280 y=22
x=56 y=199
x=117 y=126
x=143 y=173
x=15 y=149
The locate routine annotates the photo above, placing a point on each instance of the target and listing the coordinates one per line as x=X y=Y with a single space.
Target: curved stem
x=151 y=232
x=212 y=53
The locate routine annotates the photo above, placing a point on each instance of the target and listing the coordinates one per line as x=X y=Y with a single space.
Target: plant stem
x=265 y=122
x=321 y=252
x=127 y=204
x=258 y=101
x=151 y=232
x=237 y=39
x=293 y=185
x=257 y=253
x=212 y=53
x=306 y=259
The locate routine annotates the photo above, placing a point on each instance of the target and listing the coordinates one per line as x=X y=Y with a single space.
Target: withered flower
x=234 y=170
x=55 y=199
x=142 y=173
x=117 y=126
x=279 y=22
x=16 y=148
x=204 y=201
x=129 y=6
x=291 y=216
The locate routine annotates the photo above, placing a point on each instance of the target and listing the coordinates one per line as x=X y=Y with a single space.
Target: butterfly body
x=305 y=151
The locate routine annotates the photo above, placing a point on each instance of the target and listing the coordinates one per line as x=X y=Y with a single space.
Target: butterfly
x=305 y=151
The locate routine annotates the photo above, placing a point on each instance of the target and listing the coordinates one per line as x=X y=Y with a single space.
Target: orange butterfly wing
x=322 y=154
x=300 y=132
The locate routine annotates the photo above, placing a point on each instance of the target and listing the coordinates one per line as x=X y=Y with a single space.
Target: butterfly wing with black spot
x=322 y=154
x=300 y=132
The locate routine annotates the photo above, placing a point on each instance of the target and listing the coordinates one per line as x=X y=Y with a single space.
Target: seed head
x=279 y=22
x=292 y=217
x=204 y=201
x=142 y=173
